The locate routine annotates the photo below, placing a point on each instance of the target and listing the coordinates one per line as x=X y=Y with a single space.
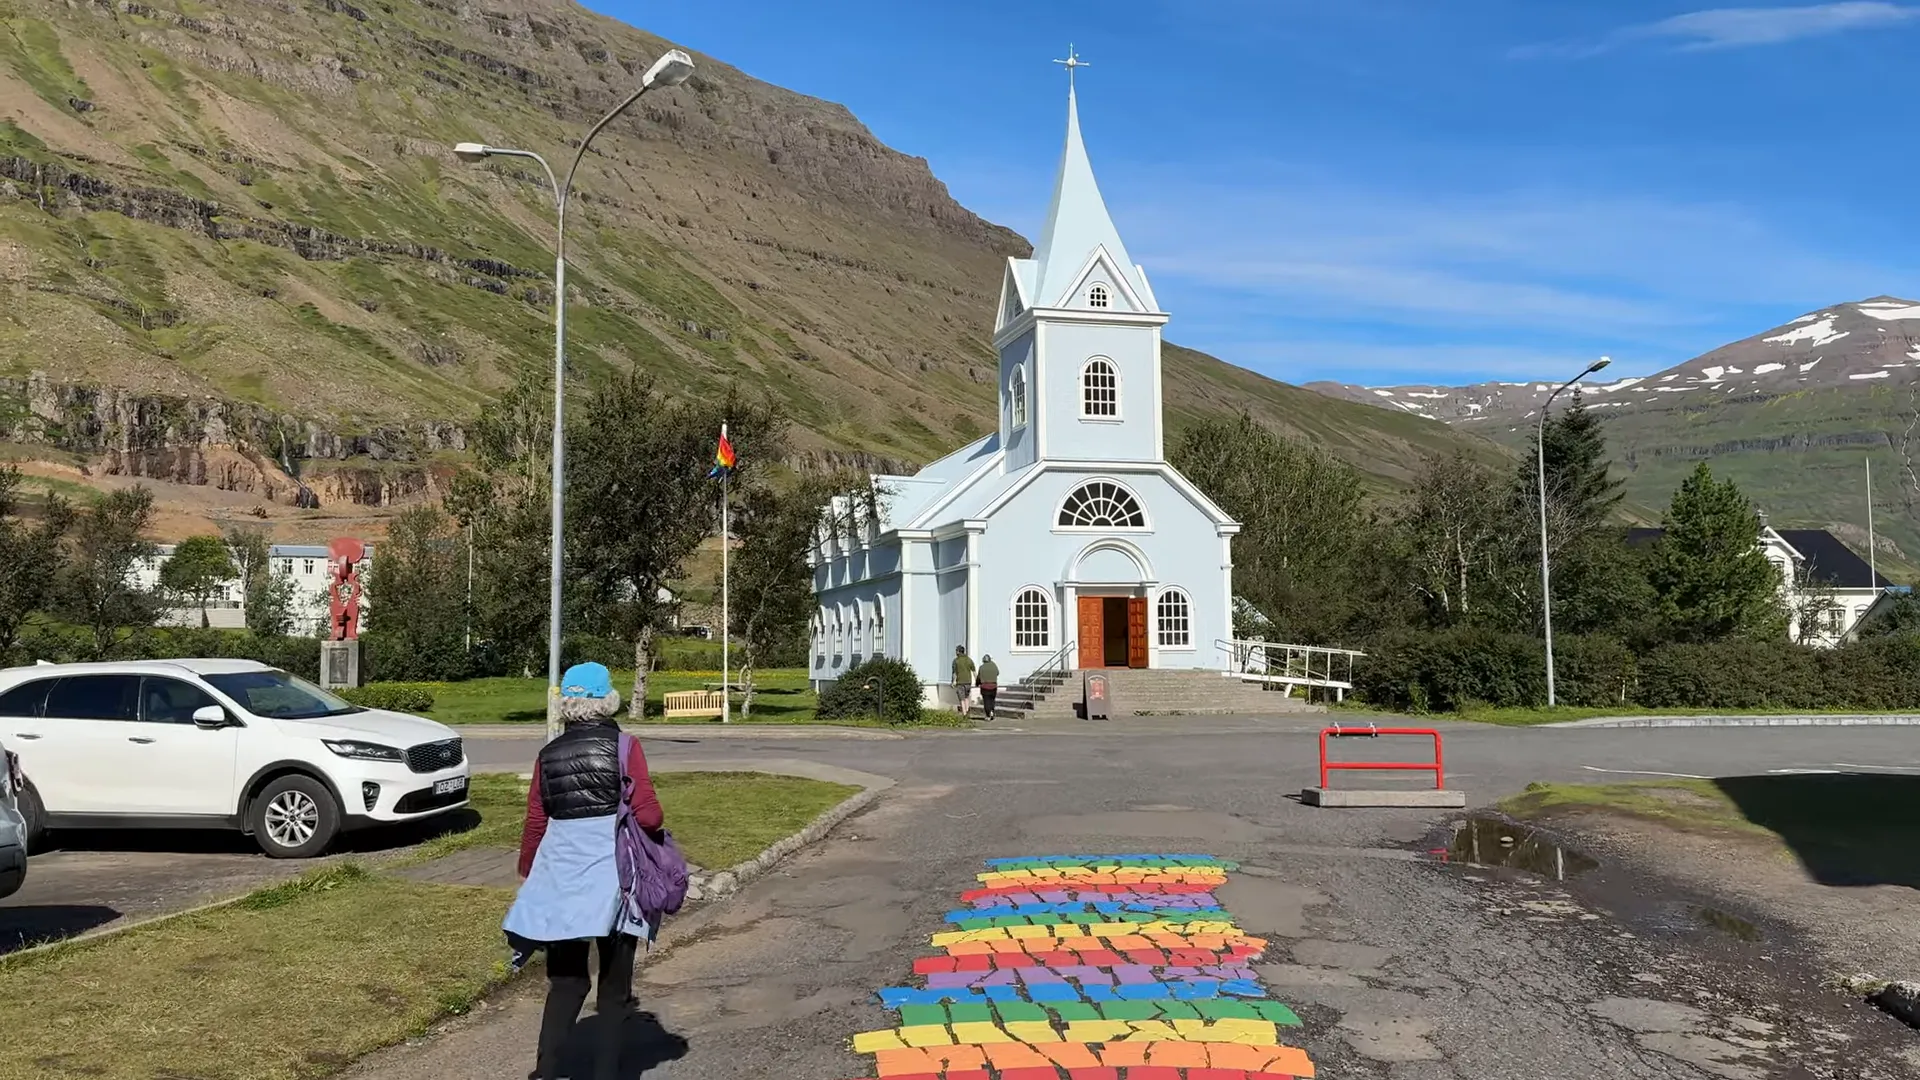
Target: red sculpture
x=344 y=556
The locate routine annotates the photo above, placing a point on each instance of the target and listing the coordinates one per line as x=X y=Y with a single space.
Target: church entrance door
x=1113 y=631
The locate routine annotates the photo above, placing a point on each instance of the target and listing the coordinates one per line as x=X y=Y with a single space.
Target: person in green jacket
x=989 y=683
x=962 y=677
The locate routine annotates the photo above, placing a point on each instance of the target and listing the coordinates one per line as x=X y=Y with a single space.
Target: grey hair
x=589 y=710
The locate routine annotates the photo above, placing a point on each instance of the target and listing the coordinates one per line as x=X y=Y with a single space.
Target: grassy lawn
x=301 y=978
x=781 y=696
x=1845 y=828
x=718 y=819
x=1530 y=716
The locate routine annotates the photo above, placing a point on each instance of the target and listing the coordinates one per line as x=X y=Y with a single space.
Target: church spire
x=1077 y=220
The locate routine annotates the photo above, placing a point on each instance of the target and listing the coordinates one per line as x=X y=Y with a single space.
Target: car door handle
x=25 y=735
x=141 y=739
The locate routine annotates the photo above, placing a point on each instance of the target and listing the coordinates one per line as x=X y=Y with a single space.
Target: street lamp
x=671 y=69
x=1540 y=452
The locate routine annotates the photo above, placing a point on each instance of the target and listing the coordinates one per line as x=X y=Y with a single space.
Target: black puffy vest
x=580 y=772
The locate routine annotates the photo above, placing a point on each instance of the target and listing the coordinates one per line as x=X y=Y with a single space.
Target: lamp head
x=1600 y=363
x=471 y=151
x=671 y=69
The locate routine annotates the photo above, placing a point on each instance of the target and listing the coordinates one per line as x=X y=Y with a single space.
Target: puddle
x=1732 y=925
x=1491 y=841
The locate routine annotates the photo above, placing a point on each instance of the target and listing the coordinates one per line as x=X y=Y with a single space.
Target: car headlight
x=362 y=751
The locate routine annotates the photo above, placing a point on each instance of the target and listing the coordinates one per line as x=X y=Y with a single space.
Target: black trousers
x=987 y=694
x=567 y=985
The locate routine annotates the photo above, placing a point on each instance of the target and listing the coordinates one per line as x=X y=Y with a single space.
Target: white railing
x=1280 y=664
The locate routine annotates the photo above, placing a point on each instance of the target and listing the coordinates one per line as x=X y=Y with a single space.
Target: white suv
x=225 y=744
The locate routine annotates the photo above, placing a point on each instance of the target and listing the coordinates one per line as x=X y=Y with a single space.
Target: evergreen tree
x=1581 y=491
x=1709 y=573
x=1592 y=579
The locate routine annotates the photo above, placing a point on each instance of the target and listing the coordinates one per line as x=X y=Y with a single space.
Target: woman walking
x=571 y=893
x=989 y=684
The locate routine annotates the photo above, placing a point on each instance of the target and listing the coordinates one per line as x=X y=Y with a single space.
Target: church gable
x=1014 y=300
x=1101 y=286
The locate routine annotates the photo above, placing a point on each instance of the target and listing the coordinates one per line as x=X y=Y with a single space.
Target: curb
x=94 y=937
x=1861 y=720
x=707 y=888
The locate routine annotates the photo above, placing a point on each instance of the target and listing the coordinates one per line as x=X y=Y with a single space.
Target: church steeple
x=1077 y=221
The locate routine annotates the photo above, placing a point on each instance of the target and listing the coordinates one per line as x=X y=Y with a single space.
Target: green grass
x=294 y=982
x=1533 y=716
x=1847 y=829
x=300 y=978
x=719 y=819
x=781 y=696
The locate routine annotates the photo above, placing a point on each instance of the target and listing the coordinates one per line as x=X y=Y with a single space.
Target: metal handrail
x=1058 y=659
x=1297 y=663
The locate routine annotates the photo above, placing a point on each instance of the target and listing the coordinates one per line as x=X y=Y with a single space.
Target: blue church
x=1063 y=540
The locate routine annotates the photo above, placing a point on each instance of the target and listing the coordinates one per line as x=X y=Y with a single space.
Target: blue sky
x=1406 y=190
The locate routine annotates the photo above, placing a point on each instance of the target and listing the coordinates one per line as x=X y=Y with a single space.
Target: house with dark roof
x=1830 y=588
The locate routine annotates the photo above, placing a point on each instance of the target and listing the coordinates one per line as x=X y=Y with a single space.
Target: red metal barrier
x=1437 y=766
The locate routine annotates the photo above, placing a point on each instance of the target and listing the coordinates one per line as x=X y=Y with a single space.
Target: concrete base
x=1447 y=799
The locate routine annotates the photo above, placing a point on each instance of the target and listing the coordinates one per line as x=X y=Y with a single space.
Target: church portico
x=1064 y=539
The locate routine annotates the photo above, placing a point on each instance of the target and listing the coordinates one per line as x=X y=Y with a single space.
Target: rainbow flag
x=723 y=459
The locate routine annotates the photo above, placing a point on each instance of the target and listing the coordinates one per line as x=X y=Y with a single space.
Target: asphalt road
x=1400 y=966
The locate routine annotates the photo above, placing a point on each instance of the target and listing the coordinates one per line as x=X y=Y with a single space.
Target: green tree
x=639 y=501
x=1305 y=526
x=1710 y=576
x=268 y=596
x=196 y=570
x=30 y=556
x=772 y=583
x=96 y=587
x=416 y=598
x=1581 y=490
x=1458 y=540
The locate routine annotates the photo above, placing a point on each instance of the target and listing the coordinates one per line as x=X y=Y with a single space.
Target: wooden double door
x=1113 y=631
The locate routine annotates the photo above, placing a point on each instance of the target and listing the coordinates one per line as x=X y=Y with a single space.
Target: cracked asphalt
x=1400 y=966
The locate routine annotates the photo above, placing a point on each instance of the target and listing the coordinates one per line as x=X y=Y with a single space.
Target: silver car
x=13 y=827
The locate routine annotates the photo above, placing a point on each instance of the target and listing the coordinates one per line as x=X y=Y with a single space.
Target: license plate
x=445 y=787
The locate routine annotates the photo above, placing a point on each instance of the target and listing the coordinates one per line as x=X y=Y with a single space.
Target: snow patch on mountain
x=1817 y=333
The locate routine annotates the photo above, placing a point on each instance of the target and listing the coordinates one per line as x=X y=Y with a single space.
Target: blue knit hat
x=586 y=681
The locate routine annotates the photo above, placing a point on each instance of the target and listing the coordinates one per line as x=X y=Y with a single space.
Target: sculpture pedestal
x=339 y=664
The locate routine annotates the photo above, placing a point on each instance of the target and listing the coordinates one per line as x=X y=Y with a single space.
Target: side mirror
x=210 y=718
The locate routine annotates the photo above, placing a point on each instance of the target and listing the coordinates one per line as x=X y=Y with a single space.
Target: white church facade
x=1064 y=539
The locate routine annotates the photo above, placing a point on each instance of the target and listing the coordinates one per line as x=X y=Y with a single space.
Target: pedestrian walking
x=571 y=891
x=989 y=680
x=962 y=677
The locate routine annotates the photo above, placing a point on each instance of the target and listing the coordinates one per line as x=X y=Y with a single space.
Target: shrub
x=394 y=696
x=1738 y=674
x=896 y=689
x=1445 y=670
x=1591 y=670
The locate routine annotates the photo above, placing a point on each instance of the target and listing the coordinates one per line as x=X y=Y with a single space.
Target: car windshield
x=280 y=695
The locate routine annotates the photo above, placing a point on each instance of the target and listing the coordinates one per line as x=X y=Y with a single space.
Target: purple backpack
x=653 y=875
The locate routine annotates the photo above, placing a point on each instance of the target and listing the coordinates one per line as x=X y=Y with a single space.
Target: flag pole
x=726 y=624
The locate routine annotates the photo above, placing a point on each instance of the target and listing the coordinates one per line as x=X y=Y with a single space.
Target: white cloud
x=1738 y=28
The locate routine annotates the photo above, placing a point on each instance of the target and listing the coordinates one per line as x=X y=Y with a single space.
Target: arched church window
x=1099 y=388
x=1017 y=390
x=879 y=632
x=1097 y=296
x=1032 y=620
x=1173 y=620
x=1101 y=504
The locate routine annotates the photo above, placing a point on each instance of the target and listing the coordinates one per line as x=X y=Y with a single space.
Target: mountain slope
x=234 y=241
x=1792 y=413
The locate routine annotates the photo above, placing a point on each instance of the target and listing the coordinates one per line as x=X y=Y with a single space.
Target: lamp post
x=671 y=69
x=1540 y=453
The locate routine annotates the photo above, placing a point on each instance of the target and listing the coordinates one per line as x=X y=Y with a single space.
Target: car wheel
x=294 y=817
x=35 y=816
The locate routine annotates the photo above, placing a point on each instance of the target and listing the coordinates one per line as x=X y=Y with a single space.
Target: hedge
x=60 y=643
x=1447 y=670
x=394 y=696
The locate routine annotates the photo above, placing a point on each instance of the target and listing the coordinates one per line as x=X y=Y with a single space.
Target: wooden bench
x=694 y=703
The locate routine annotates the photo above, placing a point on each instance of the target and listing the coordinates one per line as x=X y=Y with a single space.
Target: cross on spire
x=1071 y=62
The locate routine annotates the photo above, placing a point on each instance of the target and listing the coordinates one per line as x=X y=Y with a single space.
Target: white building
x=304 y=564
x=1819 y=576
x=1064 y=540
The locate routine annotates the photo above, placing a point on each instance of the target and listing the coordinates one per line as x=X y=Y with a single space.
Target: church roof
x=1077 y=225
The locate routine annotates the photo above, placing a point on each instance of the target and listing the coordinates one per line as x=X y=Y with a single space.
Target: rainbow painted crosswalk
x=1089 y=967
